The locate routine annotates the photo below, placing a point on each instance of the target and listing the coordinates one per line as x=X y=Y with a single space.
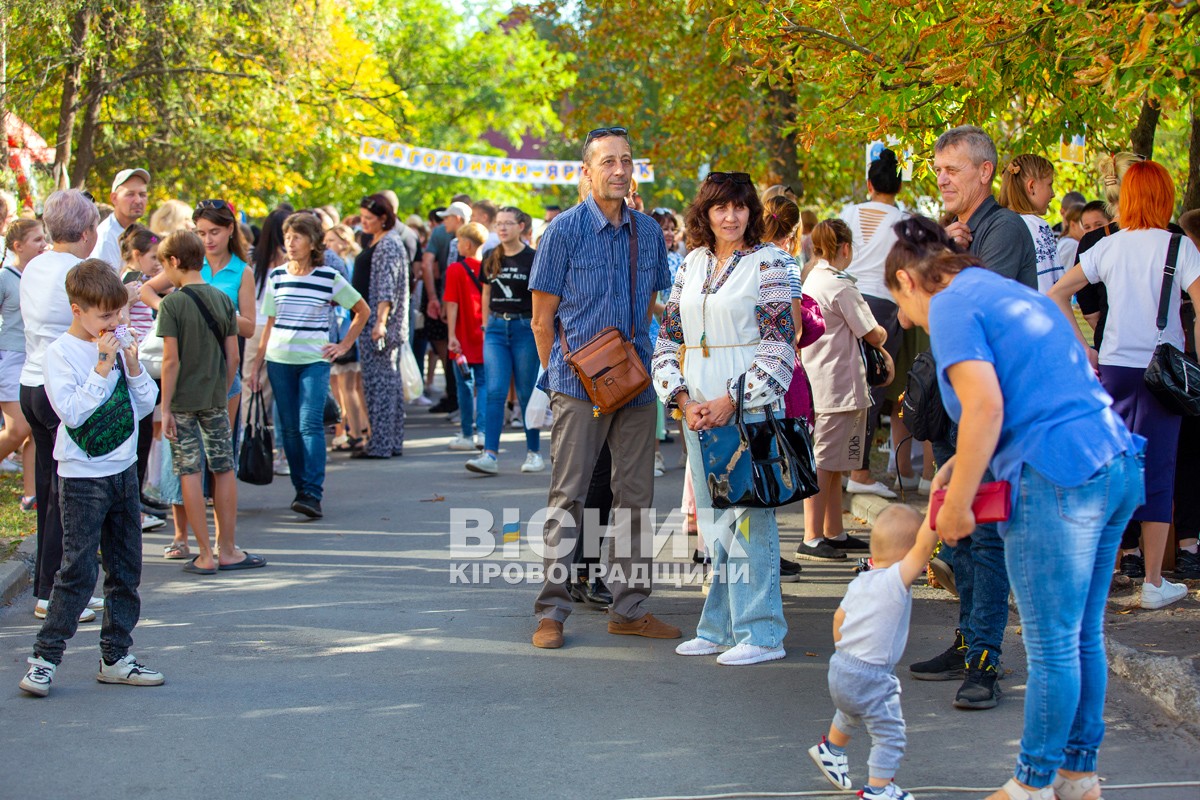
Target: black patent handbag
x=1172 y=376
x=763 y=464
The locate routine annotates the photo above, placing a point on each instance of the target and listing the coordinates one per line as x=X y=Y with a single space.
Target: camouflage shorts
x=211 y=427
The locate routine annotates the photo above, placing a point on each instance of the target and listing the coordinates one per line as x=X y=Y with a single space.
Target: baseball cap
x=458 y=209
x=126 y=174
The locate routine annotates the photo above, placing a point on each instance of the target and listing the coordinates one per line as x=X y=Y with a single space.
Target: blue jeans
x=300 y=392
x=744 y=604
x=511 y=355
x=1059 y=547
x=472 y=398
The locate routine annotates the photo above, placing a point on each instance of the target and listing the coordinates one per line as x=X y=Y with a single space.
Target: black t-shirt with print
x=510 y=287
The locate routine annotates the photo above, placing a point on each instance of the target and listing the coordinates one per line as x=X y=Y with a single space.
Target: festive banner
x=488 y=168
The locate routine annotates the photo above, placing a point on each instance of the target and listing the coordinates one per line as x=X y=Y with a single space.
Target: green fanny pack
x=109 y=425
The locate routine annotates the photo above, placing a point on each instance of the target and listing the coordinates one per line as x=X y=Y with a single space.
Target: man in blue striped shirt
x=581 y=281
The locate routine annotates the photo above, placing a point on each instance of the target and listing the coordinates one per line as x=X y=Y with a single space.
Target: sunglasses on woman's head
x=374 y=206
x=213 y=205
x=730 y=177
x=600 y=133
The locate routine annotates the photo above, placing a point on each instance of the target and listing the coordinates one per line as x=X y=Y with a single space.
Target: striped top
x=584 y=261
x=299 y=304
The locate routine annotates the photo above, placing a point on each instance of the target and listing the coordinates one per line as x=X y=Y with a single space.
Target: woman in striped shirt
x=297 y=350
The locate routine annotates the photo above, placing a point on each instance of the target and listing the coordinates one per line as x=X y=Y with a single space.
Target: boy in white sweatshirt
x=100 y=391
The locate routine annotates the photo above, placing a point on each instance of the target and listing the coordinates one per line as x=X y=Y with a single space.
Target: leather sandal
x=1016 y=791
x=1077 y=789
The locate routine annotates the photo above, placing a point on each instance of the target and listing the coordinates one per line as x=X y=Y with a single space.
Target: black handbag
x=255 y=463
x=875 y=363
x=921 y=406
x=1173 y=376
x=333 y=412
x=758 y=464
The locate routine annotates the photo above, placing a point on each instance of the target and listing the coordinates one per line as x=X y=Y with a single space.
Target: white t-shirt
x=1045 y=244
x=873 y=226
x=1068 y=248
x=878 y=607
x=1130 y=264
x=108 y=242
x=76 y=391
x=44 y=308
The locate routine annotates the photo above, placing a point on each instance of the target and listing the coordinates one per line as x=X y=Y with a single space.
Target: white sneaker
x=478 y=440
x=834 y=766
x=485 y=464
x=8 y=465
x=96 y=604
x=39 y=677
x=533 y=463
x=746 y=654
x=151 y=522
x=422 y=401
x=281 y=466
x=697 y=647
x=463 y=443
x=454 y=416
x=517 y=421
x=660 y=467
x=43 y=607
x=854 y=487
x=128 y=671
x=906 y=484
x=925 y=487
x=1159 y=596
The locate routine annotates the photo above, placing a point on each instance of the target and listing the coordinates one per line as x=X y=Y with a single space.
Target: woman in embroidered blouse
x=730 y=314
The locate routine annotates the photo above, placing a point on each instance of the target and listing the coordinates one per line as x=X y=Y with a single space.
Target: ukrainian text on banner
x=490 y=168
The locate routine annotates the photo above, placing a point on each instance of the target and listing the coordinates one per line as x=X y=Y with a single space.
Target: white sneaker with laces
x=462 y=443
x=533 y=463
x=42 y=608
x=151 y=522
x=743 y=655
x=697 y=647
x=1160 y=596
x=485 y=464
x=478 y=440
x=96 y=604
x=39 y=677
x=834 y=766
x=875 y=487
x=128 y=671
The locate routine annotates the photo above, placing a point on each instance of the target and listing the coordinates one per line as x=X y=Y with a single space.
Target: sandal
x=350 y=445
x=1068 y=789
x=1016 y=791
x=176 y=551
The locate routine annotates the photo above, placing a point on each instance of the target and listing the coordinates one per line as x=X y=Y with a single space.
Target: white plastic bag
x=410 y=374
x=150 y=351
x=537 y=412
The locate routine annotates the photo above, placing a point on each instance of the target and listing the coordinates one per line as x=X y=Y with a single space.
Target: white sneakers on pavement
x=854 y=487
x=533 y=463
x=743 y=655
x=1160 y=596
x=484 y=464
x=834 y=766
x=462 y=443
x=697 y=647
x=151 y=522
x=130 y=672
x=660 y=467
x=39 y=677
x=88 y=615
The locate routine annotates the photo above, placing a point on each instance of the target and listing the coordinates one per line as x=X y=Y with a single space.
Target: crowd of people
x=126 y=353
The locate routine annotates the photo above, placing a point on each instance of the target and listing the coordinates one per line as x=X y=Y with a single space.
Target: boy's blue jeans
x=104 y=513
x=472 y=400
x=1059 y=547
x=300 y=392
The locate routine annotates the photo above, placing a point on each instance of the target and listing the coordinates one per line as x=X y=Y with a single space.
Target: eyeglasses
x=742 y=178
x=374 y=206
x=600 y=133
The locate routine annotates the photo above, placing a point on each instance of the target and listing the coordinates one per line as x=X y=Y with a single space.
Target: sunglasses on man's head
x=600 y=133
x=730 y=177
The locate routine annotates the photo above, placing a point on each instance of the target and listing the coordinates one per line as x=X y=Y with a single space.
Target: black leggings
x=43 y=421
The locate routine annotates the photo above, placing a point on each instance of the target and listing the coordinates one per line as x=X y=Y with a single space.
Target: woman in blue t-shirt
x=1030 y=408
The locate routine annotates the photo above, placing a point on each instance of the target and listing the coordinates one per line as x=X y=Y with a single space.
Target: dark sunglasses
x=214 y=205
x=87 y=194
x=661 y=210
x=730 y=177
x=376 y=207
x=600 y=133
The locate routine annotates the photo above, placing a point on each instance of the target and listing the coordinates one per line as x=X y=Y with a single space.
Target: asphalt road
x=352 y=667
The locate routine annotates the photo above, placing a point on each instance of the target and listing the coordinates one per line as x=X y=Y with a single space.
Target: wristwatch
x=103 y=357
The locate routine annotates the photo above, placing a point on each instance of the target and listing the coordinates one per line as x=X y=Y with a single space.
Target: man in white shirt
x=128 y=198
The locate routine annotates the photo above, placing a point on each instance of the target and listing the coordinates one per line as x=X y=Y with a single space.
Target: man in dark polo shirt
x=965 y=161
x=581 y=281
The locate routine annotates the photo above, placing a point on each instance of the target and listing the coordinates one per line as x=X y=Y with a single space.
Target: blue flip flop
x=192 y=568
x=251 y=561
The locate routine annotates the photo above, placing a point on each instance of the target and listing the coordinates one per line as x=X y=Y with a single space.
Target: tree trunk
x=1191 y=195
x=85 y=148
x=783 y=150
x=1141 y=140
x=70 y=95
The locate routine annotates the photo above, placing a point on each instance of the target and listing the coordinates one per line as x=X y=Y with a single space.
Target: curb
x=1172 y=683
x=17 y=572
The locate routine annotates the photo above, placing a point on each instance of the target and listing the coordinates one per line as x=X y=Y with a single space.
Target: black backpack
x=921 y=406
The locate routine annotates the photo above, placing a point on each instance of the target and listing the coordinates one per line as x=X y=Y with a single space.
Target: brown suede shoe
x=549 y=635
x=647 y=626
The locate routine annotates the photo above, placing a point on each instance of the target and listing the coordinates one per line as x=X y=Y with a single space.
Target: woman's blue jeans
x=510 y=353
x=472 y=395
x=1059 y=548
x=300 y=392
x=744 y=604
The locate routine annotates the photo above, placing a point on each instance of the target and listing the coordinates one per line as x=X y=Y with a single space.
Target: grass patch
x=15 y=524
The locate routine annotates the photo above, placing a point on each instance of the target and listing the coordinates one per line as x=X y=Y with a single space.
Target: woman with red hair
x=1131 y=263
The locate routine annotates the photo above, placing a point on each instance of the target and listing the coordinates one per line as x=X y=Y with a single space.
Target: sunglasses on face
x=600 y=133
x=730 y=177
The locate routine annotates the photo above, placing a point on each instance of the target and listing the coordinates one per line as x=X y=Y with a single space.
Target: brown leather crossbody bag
x=608 y=366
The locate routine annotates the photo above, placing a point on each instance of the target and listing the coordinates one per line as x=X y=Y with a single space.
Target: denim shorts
x=209 y=428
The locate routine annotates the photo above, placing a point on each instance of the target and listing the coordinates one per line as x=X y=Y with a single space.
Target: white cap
x=126 y=174
x=458 y=209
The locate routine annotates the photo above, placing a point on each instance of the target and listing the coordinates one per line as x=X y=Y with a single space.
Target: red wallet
x=992 y=503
